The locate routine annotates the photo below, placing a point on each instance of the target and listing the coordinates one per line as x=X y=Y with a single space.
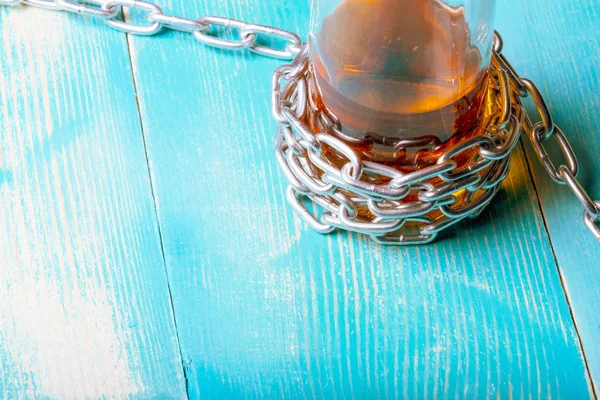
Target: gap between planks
x=128 y=41
x=529 y=166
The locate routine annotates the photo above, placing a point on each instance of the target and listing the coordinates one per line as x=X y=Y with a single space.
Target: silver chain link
x=364 y=196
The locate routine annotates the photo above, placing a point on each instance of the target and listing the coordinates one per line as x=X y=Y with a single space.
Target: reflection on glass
x=400 y=69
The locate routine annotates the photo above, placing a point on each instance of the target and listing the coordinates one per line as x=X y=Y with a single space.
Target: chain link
x=45 y=4
x=392 y=207
x=592 y=223
x=87 y=10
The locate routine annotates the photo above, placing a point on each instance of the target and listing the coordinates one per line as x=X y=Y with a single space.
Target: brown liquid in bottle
x=400 y=69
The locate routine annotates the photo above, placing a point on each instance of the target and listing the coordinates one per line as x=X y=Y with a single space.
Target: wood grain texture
x=267 y=308
x=85 y=310
x=557 y=44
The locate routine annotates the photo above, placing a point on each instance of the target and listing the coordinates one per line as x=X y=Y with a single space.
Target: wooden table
x=146 y=250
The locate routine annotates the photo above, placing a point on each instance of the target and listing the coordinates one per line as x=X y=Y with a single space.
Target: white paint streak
x=62 y=337
x=62 y=330
x=62 y=334
x=255 y=239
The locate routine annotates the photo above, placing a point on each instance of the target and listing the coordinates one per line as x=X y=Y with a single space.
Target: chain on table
x=372 y=198
x=359 y=184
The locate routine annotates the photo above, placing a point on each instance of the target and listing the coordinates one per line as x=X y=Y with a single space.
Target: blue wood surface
x=84 y=300
x=267 y=308
x=560 y=48
x=253 y=304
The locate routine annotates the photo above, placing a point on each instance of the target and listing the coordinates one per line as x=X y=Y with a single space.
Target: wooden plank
x=560 y=49
x=85 y=302
x=267 y=308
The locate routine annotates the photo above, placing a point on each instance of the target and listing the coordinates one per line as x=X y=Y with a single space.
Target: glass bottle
x=406 y=78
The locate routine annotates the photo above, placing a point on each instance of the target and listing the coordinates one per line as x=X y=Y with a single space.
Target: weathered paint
x=267 y=308
x=85 y=304
x=264 y=307
x=558 y=45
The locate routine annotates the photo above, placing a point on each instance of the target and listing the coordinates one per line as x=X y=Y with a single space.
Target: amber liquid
x=392 y=70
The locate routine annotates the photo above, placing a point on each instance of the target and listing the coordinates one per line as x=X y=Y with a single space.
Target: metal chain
x=352 y=193
x=371 y=198
x=363 y=196
x=220 y=32
x=541 y=132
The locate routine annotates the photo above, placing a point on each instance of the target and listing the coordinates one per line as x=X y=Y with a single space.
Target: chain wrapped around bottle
x=393 y=207
x=348 y=192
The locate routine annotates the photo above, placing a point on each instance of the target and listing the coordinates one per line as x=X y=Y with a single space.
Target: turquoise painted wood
x=85 y=309
x=267 y=308
x=560 y=48
x=263 y=306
